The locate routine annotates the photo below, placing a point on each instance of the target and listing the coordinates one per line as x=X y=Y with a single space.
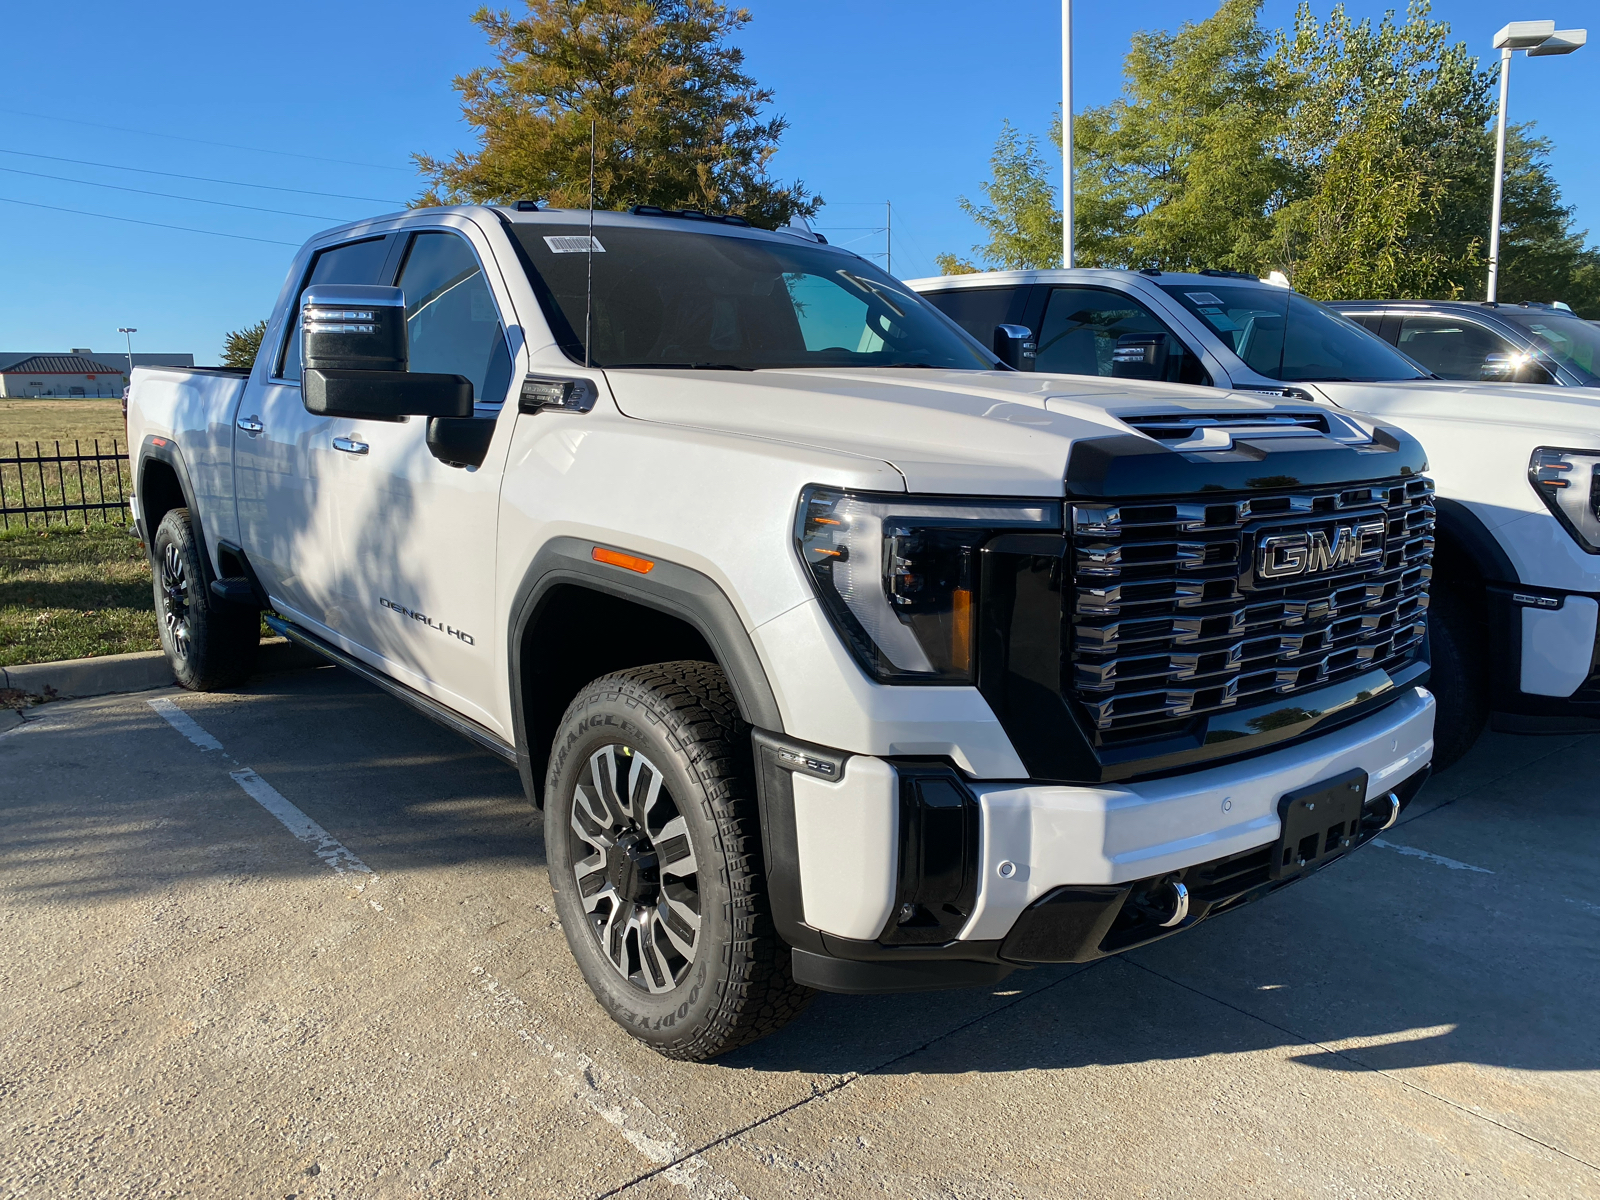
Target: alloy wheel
x=636 y=869
x=175 y=600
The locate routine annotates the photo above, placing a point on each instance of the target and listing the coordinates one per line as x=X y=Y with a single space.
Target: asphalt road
x=198 y=1000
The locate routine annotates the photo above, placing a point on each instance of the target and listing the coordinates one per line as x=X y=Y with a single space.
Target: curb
x=79 y=677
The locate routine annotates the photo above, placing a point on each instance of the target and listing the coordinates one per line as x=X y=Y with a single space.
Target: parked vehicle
x=1501 y=343
x=838 y=656
x=1516 y=577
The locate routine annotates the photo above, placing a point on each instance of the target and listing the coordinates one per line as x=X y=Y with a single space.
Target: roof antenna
x=588 y=295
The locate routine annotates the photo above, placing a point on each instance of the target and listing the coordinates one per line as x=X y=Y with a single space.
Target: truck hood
x=1000 y=433
x=1512 y=406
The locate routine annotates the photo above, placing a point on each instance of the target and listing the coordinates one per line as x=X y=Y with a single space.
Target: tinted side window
x=1451 y=348
x=452 y=323
x=979 y=310
x=354 y=262
x=1082 y=325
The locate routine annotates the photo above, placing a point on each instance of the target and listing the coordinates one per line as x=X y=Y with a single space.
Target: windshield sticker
x=1197 y=297
x=573 y=244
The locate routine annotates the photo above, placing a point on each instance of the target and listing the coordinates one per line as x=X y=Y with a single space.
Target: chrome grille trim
x=1168 y=622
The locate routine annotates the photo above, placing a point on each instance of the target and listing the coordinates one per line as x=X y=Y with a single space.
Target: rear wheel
x=655 y=860
x=208 y=647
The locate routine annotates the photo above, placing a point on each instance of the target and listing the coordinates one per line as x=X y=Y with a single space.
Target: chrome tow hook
x=1394 y=811
x=1180 y=905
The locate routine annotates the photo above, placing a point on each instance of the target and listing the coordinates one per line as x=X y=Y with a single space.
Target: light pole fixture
x=1066 y=134
x=1539 y=39
x=129 y=331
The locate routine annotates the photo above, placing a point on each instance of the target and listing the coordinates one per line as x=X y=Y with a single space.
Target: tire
x=208 y=647
x=1458 y=681
x=652 y=837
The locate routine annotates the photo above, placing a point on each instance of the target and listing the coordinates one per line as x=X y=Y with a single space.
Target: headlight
x=898 y=575
x=1568 y=481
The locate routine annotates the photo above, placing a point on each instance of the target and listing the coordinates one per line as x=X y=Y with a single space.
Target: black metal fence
x=66 y=486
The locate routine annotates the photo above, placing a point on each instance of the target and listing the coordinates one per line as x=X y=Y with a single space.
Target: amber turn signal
x=618 y=559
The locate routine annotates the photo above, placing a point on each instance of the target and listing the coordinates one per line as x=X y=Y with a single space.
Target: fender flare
x=671 y=588
x=1482 y=549
x=167 y=452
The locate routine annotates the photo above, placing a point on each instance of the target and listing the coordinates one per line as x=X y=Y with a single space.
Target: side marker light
x=616 y=558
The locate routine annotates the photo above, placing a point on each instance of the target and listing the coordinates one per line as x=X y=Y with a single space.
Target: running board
x=425 y=705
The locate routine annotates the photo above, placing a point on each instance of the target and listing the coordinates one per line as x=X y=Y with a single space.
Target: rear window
x=1283 y=335
x=696 y=298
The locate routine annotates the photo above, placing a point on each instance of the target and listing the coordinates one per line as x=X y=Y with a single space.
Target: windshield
x=694 y=298
x=1322 y=345
x=1570 y=341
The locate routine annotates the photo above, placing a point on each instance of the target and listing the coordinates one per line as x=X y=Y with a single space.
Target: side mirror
x=353 y=359
x=1141 y=356
x=1498 y=368
x=1014 y=345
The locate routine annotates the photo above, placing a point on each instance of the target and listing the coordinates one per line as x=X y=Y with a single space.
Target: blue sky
x=897 y=101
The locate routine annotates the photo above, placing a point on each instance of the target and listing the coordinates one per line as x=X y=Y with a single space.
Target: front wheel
x=1458 y=681
x=209 y=648
x=655 y=861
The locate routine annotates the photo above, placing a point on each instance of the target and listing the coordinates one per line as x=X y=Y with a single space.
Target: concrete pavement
x=199 y=1000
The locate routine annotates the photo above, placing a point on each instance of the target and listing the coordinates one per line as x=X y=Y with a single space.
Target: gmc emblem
x=1287 y=555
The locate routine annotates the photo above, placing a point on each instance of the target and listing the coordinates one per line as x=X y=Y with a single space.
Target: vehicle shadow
x=1383 y=961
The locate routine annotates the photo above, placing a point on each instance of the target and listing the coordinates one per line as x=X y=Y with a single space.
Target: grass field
x=68 y=591
x=44 y=421
x=73 y=593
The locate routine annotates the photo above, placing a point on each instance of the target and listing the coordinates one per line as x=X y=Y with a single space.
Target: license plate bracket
x=1319 y=823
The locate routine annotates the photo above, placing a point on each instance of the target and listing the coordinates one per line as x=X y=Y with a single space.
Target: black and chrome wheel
x=172 y=589
x=208 y=645
x=638 y=876
x=654 y=846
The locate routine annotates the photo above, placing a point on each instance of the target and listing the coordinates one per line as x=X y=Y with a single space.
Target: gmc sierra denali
x=837 y=654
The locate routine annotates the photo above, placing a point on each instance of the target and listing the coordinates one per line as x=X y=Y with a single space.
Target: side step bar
x=425 y=705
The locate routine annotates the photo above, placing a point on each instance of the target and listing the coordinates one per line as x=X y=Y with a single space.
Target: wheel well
x=1457 y=581
x=159 y=493
x=579 y=634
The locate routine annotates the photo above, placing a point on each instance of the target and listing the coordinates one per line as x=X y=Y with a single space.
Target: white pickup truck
x=838 y=655
x=1516 y=588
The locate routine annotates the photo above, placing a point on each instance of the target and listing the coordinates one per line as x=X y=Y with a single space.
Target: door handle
x=251 y=424
x=349 y=445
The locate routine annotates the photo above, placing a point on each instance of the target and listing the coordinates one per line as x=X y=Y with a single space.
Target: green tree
x=1357 y=157
x=1023 y=215
x=239 y=348
x=1180 y=171
x=1385 y=140
x=678 y=120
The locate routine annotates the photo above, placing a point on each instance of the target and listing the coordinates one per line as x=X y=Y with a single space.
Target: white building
x=64 y=375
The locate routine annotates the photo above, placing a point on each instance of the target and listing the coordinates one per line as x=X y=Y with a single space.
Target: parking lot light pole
x=129 y=331
x=1066 y=134
x=1539 y=39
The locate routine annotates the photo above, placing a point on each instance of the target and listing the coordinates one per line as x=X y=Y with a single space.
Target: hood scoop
x=1212 y=432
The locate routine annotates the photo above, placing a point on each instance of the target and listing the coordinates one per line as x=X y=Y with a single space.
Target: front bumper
x=1544 y=668
x=883 y=880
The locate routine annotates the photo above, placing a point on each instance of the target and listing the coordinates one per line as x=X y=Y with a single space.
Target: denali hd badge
x=1310 y=552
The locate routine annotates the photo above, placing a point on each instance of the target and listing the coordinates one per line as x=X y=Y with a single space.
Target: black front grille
x=1183 y=608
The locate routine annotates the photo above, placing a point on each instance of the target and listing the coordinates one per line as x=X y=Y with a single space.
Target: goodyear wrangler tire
x=655 y=860
x=208 y=647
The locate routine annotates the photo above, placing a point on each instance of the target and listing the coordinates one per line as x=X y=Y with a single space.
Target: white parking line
x=184 y=724
x=1441 y=860
x=640 y=1126
x=323 y=844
